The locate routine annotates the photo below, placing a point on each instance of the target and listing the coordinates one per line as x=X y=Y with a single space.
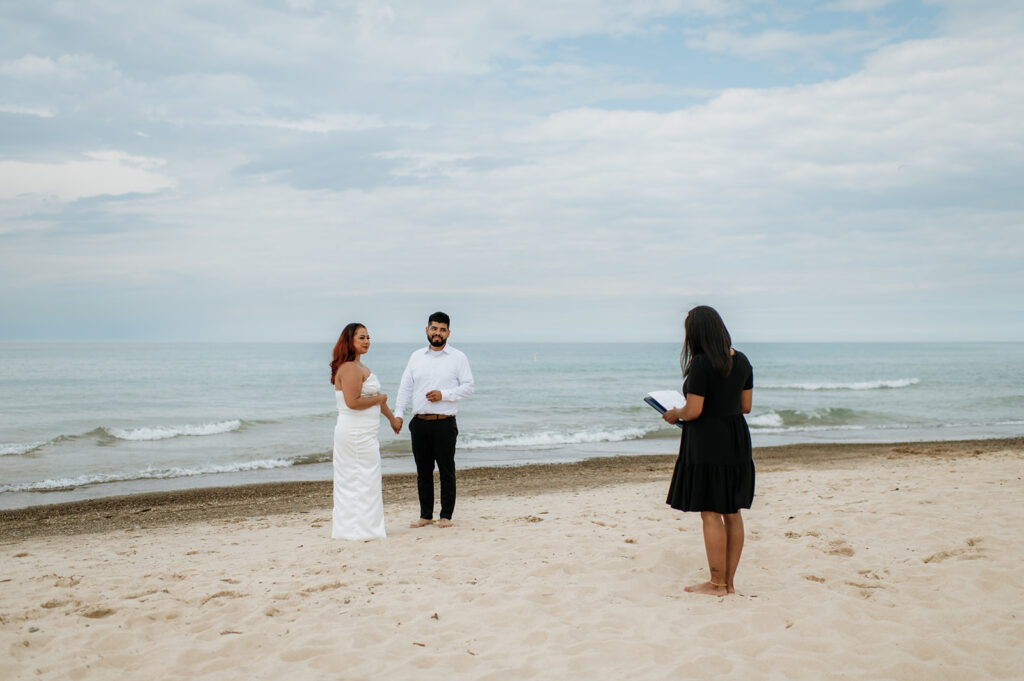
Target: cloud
x=369 y=157
x=104 y=173
x=776 y=43
x=67 y=67
x=41 y=112
x=839 y=167
x=857 y=5
x=319 y=124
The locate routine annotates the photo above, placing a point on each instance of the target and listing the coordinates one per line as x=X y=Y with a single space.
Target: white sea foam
x=769 y=420
x=810 y=429
x=167 y=432
x=145 y=474
x=553 y=439
x=16 y=448
x=854 y=385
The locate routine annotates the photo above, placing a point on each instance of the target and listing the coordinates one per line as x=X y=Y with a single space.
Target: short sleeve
x=749 y=383
x=697 y=379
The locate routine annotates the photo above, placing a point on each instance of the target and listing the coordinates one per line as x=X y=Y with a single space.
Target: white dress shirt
x=446 y=370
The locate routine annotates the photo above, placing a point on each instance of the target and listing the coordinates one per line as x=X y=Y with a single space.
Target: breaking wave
x=829 y=385
x=109 y=435
x=545 y=439
x=16 y=448
x=781 y=420
x=167 y=432
x=145 y=474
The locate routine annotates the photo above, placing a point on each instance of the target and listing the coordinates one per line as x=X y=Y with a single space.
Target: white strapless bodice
x=371 y=387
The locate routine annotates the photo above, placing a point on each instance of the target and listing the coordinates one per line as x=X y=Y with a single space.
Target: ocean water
x=81 y=420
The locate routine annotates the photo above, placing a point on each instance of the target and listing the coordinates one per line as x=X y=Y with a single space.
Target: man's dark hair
x=440 y=318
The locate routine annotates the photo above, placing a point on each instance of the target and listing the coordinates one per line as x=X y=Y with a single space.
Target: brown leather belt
x=434 y=417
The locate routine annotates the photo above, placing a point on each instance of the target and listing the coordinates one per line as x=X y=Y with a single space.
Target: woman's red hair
x=343 y=351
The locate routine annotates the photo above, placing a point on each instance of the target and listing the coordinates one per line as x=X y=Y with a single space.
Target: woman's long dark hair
x=706 y=334
x=343 y=351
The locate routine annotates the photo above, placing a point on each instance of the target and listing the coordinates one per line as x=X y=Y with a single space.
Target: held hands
x=396 y=424
x=434 y=396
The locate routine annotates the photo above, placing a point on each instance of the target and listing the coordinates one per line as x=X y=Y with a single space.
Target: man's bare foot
x=707 y=588
x=444 y=522
x=420 y=522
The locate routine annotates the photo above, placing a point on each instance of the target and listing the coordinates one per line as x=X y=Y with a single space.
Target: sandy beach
x=871 y=561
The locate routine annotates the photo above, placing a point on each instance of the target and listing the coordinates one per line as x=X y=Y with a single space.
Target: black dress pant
x=434 y=442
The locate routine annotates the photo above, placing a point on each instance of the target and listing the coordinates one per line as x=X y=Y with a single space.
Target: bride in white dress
x=358 y=504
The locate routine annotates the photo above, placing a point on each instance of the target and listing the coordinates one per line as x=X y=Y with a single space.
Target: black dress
x=715 y=468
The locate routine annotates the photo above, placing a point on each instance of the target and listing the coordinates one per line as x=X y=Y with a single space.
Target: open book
x=663 y=400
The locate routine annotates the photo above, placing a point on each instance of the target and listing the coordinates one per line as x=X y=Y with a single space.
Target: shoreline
x=160 y=509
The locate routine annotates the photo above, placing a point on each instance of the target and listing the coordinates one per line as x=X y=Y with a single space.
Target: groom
x=435 y=379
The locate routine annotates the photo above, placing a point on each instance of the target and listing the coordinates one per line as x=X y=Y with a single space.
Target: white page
x=670 y=399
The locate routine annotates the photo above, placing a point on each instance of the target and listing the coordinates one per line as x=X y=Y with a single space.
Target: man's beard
x=437 y=342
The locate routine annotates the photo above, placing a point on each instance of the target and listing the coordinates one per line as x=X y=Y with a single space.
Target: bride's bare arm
x=350 y=381
x=396 y=424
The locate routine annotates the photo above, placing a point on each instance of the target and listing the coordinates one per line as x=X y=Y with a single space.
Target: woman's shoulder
x=353 y=367
x=738 y=358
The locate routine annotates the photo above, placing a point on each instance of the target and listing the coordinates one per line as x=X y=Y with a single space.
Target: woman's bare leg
x=733 y=547
x=715 y=545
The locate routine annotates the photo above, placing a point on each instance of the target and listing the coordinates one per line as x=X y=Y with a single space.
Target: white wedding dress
x=358 y=504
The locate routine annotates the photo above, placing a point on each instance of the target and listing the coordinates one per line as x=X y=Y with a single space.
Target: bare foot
x=420 y=522
x=707 y=588
x=444 y=522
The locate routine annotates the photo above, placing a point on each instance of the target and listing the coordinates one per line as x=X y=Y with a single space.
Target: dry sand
x=861 y=562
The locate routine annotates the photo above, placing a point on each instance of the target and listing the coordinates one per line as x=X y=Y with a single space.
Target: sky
x=842 y=170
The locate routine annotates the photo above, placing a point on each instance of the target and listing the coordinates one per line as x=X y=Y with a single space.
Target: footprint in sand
x=98 y=613
x=972 y=552
x=143 y=594
x=874 y=580
x=326 y=587
x=866 y=590
x=836 y=547
x=222 y=594
x=839 y=547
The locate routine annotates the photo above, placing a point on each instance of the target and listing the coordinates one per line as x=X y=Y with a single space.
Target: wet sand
x=179 y=507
